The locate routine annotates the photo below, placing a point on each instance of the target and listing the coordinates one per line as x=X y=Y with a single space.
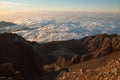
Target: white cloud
x=64 y=27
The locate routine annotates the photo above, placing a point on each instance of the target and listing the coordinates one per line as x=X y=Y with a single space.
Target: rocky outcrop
x=31 y=57
x=16 y=50
x=77 y=51
x=98 y=45
x=85 y=49
x=109 y=71
x=75 y=59
x=7 y=72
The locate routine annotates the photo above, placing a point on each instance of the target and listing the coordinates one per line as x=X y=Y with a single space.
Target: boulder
x=75 y=59
x=61 y=62
x=7 y=72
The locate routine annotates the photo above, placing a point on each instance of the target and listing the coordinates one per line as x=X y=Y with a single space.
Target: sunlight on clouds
x=63 y=26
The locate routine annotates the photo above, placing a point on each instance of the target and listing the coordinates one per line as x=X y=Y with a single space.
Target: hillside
x=104 y=68
x=86 y=58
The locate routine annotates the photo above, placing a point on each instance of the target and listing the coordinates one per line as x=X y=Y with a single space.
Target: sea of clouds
x=58 y=27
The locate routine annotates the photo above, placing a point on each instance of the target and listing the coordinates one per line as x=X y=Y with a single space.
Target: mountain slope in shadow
x=37 y=61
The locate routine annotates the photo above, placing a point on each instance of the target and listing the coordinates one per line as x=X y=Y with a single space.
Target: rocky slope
x=46 y=61
x=7 y=72
x=70 y=52
x=94 y=69
x=16 y=50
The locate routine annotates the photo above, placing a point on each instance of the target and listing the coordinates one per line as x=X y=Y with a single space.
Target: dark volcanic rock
x=18 y=51
x=7 y=72
x=61 y=61
x=98 y=45
x=30 y=57
x=75 y=59
x=6 y=69
x=75 y=51
x=85 y=57
x=4 y=24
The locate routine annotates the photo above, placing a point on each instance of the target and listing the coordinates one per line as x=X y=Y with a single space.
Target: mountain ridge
x=49 y=59
x=4 y=24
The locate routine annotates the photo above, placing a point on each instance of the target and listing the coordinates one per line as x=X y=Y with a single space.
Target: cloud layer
x=64 y=27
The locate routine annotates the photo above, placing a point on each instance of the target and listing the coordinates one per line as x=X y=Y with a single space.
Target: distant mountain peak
x=4 y=24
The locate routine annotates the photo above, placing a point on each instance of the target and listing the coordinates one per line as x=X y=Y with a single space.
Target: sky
x=10 y=6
